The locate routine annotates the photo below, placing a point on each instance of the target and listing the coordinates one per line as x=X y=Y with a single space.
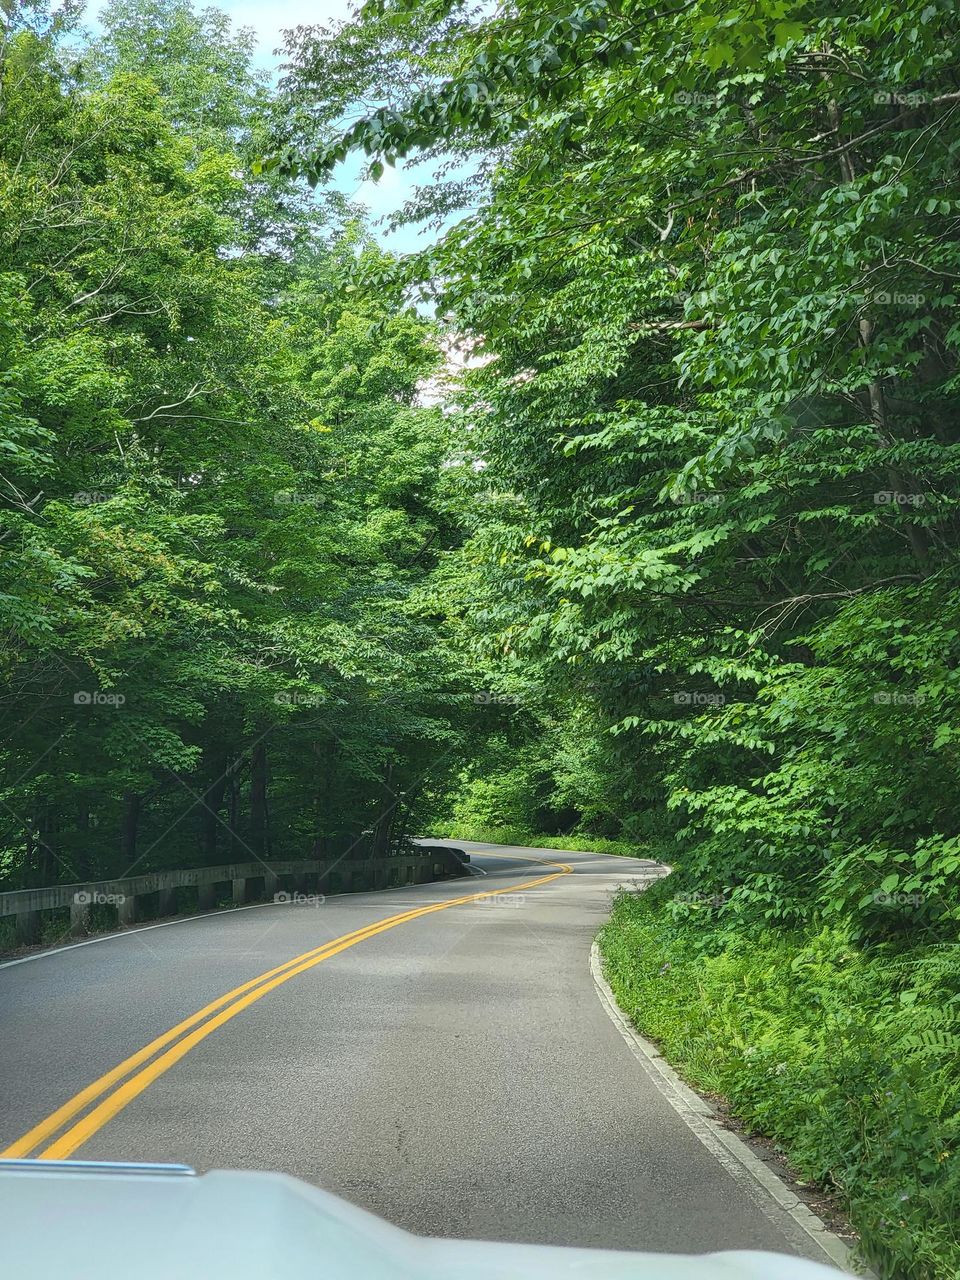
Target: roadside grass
x=533 y=840
x=844 y=1056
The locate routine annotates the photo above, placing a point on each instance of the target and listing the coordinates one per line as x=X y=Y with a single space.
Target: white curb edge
x=772 y=1195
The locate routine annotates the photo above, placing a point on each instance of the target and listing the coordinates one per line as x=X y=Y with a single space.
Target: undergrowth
x=846 y=1054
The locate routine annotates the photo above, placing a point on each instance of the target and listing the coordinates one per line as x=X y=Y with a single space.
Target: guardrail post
x=240 y=891
x=127 y=909
x=27 y=928
x=79 y=916
x=167 y=905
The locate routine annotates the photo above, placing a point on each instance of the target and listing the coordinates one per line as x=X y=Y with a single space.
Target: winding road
x=438 y=1054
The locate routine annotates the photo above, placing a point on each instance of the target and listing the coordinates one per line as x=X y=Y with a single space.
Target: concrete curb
x=798 y=1223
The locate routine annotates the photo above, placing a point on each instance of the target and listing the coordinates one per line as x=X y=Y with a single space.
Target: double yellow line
x=152 y=1063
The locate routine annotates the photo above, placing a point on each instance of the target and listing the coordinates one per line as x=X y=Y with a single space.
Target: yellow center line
x=237 y=1000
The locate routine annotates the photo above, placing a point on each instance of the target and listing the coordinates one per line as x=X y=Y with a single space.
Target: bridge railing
x=296 y=880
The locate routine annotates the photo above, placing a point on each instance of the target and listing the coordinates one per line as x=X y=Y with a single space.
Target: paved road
x=454 y=1072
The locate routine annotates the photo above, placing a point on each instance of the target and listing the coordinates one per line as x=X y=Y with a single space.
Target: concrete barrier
x=236 y=881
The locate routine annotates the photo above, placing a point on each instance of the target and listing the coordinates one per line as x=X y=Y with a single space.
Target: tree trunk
x=42 y=843
x=258 y=799
x=384 y=822
x=129 y=824
x=233 y=813
x=876 y=400
x=29 y=857
x=327 y=754
x=81 y=848
x=210 y=811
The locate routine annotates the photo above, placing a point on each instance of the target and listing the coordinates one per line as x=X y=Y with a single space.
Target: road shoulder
x=780 y=1204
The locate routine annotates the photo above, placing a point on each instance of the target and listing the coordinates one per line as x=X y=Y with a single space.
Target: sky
x=268 y=19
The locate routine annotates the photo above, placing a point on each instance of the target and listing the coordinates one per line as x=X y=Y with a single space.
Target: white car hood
x=86 y=1221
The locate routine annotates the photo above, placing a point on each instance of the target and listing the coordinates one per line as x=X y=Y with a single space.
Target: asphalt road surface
x=452 y=1069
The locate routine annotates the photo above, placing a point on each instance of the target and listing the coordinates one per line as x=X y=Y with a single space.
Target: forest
x=672 y=567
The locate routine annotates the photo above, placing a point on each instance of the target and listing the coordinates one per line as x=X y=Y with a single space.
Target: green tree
x=710 y=471
x=220 y=493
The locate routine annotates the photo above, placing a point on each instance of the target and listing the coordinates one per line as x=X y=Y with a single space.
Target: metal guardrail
x=311 y=877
